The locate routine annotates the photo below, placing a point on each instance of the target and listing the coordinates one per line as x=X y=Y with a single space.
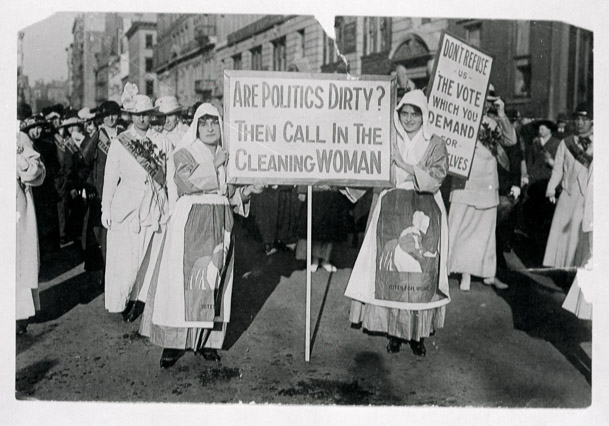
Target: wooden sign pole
x=308 y=297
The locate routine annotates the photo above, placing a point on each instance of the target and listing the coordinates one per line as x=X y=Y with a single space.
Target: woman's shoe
x=21 y=327
x=136 y=311
x=210 y=354
x=328 y=266
x=418 y=348
x=314 y=266
x=170 y=357
x=394 y=345
x=496 y=282
x=466 y=282
x=127 y=310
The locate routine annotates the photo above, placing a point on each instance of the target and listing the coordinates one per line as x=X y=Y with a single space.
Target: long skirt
x=125 y=253
x=275 y=212
x=146 y=272
x=567 y=244
x=188 y=302
x=28 y=302
x=575 y=301
x=472 y=240
x=408 y=290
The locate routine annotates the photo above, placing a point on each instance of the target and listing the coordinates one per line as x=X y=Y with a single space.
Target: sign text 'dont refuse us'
x=456 y=95
x=292 y=128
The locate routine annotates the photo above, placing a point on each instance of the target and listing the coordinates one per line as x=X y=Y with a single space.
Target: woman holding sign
x=399 y=282
x=188 y=305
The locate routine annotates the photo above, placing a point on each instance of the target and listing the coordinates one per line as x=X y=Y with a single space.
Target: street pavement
x=498 y=348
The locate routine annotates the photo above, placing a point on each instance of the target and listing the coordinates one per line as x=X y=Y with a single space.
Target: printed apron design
x=408 y=241
x=206 y=248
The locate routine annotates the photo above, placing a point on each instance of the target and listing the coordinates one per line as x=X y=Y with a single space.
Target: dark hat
x=513 y=115
x=23 y=111
x=108 y=108
x=583 y=110
x=491 y=95
x=562 y=117
x=33 y=121
x=548 y=123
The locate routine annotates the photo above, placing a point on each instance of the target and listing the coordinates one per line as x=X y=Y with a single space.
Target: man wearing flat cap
x=568 y=245
x=170 y=110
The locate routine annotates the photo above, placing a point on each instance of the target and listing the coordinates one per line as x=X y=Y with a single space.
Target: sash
x=66 y=144
x=145 y=157
x=104 y=141
x=579 y=154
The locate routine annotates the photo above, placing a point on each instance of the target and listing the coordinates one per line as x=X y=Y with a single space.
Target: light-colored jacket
x=130 y=195
x=567 y=171
x=27 y=234
x=481 y=189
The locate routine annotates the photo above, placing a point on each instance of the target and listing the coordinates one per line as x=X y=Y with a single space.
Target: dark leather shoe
x=170 y=357
x=418 y=348
x=21 y=327
x=127 y=310
x=210 y=354
x=394 y=345
x=136 y=311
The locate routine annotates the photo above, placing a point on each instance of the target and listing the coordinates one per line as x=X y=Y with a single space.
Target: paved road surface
x=512 y=348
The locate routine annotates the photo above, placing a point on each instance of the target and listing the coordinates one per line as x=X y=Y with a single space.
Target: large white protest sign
x=456 y=94
x=292 y=128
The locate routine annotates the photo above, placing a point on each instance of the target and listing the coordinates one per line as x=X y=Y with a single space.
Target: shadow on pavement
x=321 y=311
x=61 y=298
x=538 y=312
x=256 y=276
x=27 y=378
x=60 y=262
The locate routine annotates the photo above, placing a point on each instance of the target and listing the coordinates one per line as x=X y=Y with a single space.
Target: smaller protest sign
x=456 y=96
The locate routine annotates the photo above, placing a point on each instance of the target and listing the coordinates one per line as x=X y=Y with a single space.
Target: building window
x=301 y=36
x=256 y=58
x=385 y=33
x=149 y=87
x=149 y=65
x=148 y=41
x=329 y=50
x=370 y=35
x=237 y=65
x=522 y=79
x=280 y=58
x=523 y=37
x=522 y=60
x=472 y=34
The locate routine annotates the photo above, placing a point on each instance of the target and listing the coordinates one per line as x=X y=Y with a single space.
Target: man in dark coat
x=94 y=155
x=538 y=211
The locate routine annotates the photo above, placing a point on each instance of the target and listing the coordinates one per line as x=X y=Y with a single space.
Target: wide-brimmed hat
x=491 y=95
x=108 y=108
x=33 y=121
x=71 y=119
x=139 y=104
x=52 y=115
x=85 y=114
x=134 y=103
x=548 y=123
x=168 y=105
